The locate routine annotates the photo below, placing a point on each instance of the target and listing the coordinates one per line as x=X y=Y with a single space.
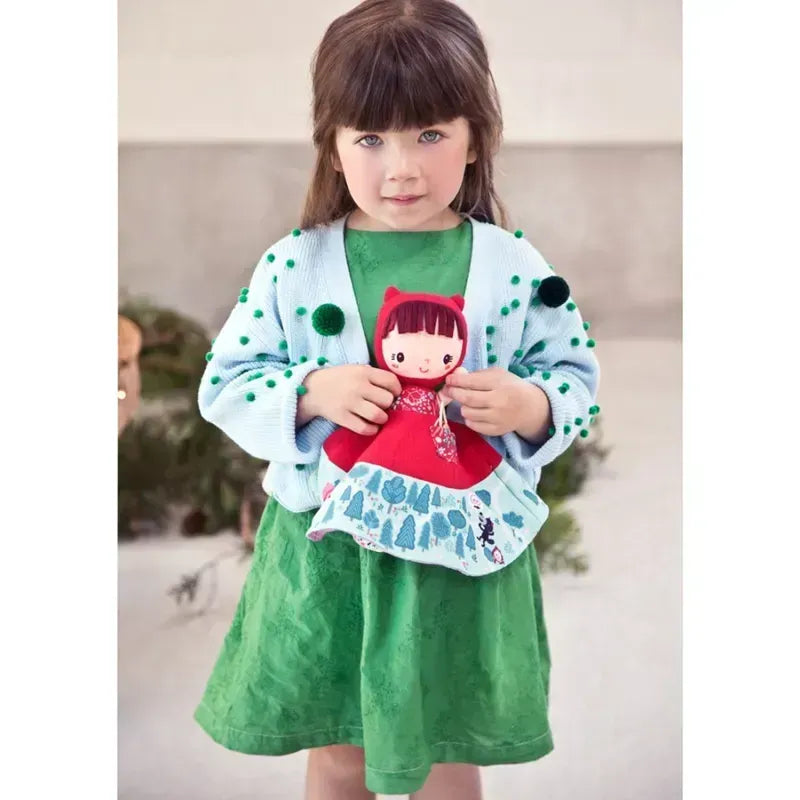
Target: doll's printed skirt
x=476 y=531
x=333 y=643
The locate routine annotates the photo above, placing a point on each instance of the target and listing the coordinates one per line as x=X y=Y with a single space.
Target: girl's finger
x=483 y=415
x=485 y=429
x=380 y=397
x=358 y=425
x=470 y=397
x=370 y=412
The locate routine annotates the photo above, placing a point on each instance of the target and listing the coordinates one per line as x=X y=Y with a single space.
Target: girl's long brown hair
x=396 y=64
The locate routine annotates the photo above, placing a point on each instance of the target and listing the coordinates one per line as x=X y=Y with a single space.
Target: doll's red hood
x=391 y=300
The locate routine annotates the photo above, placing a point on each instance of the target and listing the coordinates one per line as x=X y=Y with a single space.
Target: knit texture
x=312 y=271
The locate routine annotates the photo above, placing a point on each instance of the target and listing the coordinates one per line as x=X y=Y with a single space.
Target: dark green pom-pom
x=505 y=311
x=322 y=361
x=244 y=339
x=567 y=429
x=551 y=431
x=584 y=433
x=328 y=319
x=574 y=341
x=536 y=283
x=250 y=397
x=287 y=374
x=515 y=303
x=275 y=278
x=299 y=467
x=518 y=234
x=564 y=388
x=539 y=346
x=296 y=232
x=209 y=356
x=594 y=410
x=545 y=376
x=244 y=290
x=518 y=353
x=242 y=298
x=215 y=380
x=290 y=263
x=590 y=343
x=519 y=370
x=578 y=421
x=301 y=390
x=515 y=280
x=271 y=383
x=488 y=346
x=587 y=325
x=283 y=344
x=258 y=313
x=492 y=359
x=537 y=301
x=270 y=258
x=489 y=330
x=303 y=359
x=255 y=376
x=571 y=306
x=301 y=311
x=261 y=356
x=554 y=291
x=292 y=363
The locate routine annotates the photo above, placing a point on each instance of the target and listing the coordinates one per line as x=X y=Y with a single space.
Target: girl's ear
x=458 y=300
x=391 y=291
x=337 y=164
x=472 y=156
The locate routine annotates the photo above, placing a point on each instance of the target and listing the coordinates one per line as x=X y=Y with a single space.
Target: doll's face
x=422 y=355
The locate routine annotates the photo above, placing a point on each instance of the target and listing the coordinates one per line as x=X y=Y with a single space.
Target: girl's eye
x=435 y=134
x=447 y=359
x=401 y=358
x=370 y=140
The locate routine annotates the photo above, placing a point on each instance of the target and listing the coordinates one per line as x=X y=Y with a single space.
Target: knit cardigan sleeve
x=558 y=356
x=250 y=390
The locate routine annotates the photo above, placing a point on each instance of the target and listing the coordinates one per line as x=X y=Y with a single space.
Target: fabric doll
x=424 y=488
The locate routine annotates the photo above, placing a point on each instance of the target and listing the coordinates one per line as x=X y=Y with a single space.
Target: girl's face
x=421 y=355
x=404 y=180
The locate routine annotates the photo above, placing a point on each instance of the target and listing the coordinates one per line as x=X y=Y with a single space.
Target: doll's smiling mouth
x=424 y=371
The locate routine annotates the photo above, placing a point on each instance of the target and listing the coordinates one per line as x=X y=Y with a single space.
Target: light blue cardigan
x=268 y=346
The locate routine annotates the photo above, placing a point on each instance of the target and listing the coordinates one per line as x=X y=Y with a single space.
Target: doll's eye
x=401 y=358
x=447 y=359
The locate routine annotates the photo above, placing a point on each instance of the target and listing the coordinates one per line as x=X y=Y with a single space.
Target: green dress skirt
x=335 y=644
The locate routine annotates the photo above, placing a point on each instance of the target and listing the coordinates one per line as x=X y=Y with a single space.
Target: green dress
x=332 y=643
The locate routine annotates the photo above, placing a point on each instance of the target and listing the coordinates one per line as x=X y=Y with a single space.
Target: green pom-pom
x=283 y=344
x=271 y=383
x=275 y=278
x=215 y=380
x=250 y=397
x=518 y=353
x=594 y=410
x=488 y=346
x=531 y=370
x=299 y=467
x=258 y=313
x=515 y=280
x=292 y=363
x=551 y=431
x=539 y=346
x=296 y=232
x=261 y=356
x=535 y=283
x=209 y=356
x=290 y=263
x=490 y=330
x=301 y=390
x=578 y=421
x=545 y=376
x=242 y=298
x=287 y=374
x=255 y=376
x=519 y=370
x=515 y=303
x=574 y=341
x=567 y=429
x=590 y=343
x=301 y=311
x=303 y=359
x=244 y=290
x=537 y=301
x=564 y=388
x=328 y=319
x=322 y=361
x=270 y=258
x=505 y=311
x=584 y=433
x=492 y=359
x=571 y=306
x=244 y=339
x=587 y=325
x=518 y=234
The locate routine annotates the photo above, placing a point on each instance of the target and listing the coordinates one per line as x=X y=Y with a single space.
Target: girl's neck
x=357 y=220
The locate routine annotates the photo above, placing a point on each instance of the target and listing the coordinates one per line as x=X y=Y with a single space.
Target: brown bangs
x=417 y=315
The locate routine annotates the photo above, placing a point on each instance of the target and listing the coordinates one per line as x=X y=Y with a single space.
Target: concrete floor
x=615 y=633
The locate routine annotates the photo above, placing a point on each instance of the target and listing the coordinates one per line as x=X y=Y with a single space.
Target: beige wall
x=238 y=70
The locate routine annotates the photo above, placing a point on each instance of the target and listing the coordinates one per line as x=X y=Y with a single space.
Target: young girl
x=400 y=677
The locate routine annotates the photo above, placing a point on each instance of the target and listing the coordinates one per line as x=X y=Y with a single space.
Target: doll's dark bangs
x=403 y=79
x=416 y=316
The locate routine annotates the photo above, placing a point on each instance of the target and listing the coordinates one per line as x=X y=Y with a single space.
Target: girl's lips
x=404 y=199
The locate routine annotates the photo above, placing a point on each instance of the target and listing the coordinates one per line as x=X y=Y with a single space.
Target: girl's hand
x=354 y=396
x=495 y=402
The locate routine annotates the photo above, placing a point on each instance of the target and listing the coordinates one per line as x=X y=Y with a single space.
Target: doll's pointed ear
x=458 y=300
x=391 y=291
